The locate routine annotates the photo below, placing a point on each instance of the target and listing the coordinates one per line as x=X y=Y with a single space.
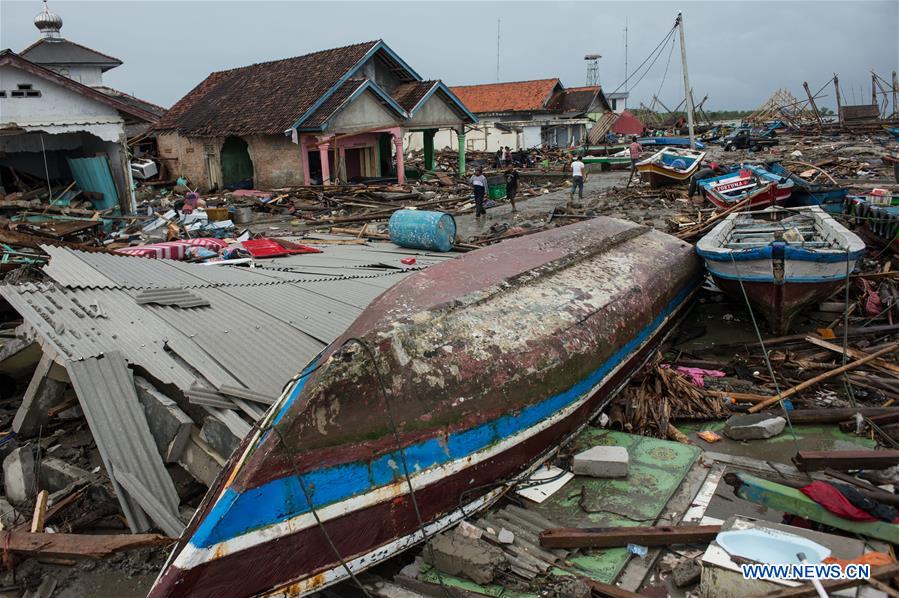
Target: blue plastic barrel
x=418 y=229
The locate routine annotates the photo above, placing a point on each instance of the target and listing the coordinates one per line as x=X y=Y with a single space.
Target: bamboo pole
x=812 y=381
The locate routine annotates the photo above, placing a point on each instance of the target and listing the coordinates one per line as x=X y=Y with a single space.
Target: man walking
x=512 y=186
x=635 y=149
x=577 y=177
x=479 y=187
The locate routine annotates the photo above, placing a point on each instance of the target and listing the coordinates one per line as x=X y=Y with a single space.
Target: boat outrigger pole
x=687 y=92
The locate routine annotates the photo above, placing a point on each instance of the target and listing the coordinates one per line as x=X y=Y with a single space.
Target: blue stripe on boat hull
x=238 y=513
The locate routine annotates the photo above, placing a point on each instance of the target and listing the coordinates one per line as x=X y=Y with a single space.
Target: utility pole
x=497 y=50
x=874 y=89
x=625 y=66
x=836 y=88
x=895 y=95
x=687 y=93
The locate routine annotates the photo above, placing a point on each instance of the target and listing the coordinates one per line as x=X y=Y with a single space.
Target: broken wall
x=277 y=162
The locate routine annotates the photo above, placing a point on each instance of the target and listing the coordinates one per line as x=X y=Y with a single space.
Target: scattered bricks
x=756 y=426
x=56 y=474
x=169 y=425
x=686 y=573
x=19 y=475
x=602 y=462
x=219 y=437
x=43 y=392
x=456 y=554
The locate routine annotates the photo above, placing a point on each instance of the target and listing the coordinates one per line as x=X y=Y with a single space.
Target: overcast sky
x=739 y=52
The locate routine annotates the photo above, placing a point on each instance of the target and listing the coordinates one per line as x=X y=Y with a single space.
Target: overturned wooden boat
x=454 y=383
x=782 y=258
x=749 y=182
x=829 y=197
x=669 y=166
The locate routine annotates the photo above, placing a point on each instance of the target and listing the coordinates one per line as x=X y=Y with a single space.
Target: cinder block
x=18 y=475
x=169 y=425
x=219 y=437
x=42 y=393
x=602 y=462
x=56 y=474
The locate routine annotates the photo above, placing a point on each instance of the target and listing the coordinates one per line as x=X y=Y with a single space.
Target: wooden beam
x=845 y=460
x=78 y=545
x=607 y=537
x=811 y=382
x=854 y=353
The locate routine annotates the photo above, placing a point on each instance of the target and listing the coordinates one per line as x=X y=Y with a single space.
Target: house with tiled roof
x=528 y=114
x=333 y=115
x=59 y=124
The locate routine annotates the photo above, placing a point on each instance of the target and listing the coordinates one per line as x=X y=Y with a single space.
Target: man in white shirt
x=479 y=187
x=578 y=175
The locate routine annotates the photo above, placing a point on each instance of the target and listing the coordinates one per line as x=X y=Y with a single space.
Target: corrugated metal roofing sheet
x=105 y=389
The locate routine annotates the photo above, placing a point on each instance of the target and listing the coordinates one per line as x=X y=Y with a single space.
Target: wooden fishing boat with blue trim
x=781 y=258
x=669 y=166
x=749 y=182
x=456 y=382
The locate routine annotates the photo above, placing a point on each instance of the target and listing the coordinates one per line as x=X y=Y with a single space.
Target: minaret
x=48 y=23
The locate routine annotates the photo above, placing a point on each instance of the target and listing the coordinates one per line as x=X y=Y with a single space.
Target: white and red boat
x=761 y=187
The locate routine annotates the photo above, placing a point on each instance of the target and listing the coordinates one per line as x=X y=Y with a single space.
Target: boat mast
x=683 y=57
x=625 y=68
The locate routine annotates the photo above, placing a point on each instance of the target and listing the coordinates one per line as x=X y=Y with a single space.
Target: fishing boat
x=451 y=387
x=781 y=258
x=669 y=141
x=669 y=166
x=829 y=197
x=753 y=183
x=617 y=161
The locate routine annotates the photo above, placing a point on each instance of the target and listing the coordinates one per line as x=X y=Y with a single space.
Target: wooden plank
x=845 y=460
x=40 y=512
x=812 y=381
x=854 y=353
x=78 y=545
x=607 y=537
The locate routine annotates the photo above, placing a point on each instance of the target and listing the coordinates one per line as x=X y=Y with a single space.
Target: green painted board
x=783 y=498
x=657 y=468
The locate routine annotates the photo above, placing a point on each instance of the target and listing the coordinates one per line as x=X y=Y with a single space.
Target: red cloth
x=833 y=500
x=172 y=250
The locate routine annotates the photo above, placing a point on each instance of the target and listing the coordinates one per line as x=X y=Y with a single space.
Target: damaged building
x=528 y=114
x=333 y=115
x=60 y=124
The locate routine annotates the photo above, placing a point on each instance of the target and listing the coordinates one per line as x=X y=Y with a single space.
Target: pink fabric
x=172 y=250
x=635 y=149
x=697 y=375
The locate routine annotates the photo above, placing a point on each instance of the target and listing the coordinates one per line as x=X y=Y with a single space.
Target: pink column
x=400 y=168
x=326 y=169
x=341 y=165
x=304 y=160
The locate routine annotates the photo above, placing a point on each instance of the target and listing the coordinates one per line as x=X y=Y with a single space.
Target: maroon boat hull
x=778 y=303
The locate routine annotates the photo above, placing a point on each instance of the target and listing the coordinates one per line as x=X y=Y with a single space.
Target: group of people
x=480 y=186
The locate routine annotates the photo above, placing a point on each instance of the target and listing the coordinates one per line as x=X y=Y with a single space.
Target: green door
x=236 y=163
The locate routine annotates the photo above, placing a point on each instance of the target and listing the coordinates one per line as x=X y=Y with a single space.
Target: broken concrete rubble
x=169 y=425
x=458 y=554
x=20 y=475
x=602 y=462
x=756 y=426
x=43 y=392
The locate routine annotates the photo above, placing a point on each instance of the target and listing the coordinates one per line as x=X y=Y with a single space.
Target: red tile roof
x=518 y=96
x=265 y=98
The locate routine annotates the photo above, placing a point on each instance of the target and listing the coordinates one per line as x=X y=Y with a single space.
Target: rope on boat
x=402 y=452
x=758 y=334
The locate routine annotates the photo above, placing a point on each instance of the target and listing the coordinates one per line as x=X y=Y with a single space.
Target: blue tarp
x=93 y=174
